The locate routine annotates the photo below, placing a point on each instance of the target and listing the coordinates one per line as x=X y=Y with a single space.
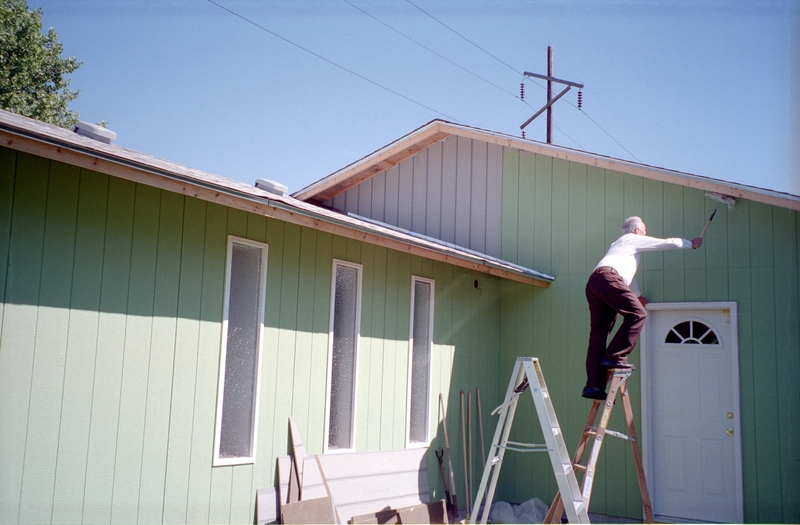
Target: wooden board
x=428 y=513
x=317 y=510
x=268 y=505
x=369 y=482
x=284 y=473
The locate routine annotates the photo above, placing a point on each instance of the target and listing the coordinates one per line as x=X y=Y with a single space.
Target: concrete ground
x=602 y=518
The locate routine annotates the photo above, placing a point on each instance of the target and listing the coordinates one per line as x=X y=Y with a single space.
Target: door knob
x=729 y=431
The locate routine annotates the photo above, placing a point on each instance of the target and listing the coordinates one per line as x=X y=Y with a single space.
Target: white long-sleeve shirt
x=623 y=255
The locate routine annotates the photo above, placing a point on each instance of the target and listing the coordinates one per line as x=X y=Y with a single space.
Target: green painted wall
x=110 y=341
x=560 y=217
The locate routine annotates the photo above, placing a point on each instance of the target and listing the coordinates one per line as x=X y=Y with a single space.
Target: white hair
x=631 y=224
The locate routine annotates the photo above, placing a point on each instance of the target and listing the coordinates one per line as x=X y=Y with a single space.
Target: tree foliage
x=32 y=73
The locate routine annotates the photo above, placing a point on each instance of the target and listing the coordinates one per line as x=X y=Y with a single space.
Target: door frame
x=647 y=427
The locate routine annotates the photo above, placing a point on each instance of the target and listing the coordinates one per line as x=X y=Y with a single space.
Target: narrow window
x=419 y=369
x=344 y=328
x=242 y=322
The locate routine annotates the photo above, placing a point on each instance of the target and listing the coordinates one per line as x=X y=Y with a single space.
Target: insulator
x=522 y=90
x=580 y=99
x=523 y=133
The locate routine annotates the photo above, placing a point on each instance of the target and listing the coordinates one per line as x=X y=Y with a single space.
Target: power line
x=604 y=131
x=409 y=99
x=331 y=62
x=465 y=38
x=611 y=137
x=430 y=50
x=517 y=71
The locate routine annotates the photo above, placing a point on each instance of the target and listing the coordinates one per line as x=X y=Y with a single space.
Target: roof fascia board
x=415 y=142
x=258 y=204
x=679 y=178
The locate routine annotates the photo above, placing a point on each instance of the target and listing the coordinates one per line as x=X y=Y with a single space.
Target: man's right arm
x=652 y=244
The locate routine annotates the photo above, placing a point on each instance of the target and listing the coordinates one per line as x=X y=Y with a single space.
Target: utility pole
x=550 y=98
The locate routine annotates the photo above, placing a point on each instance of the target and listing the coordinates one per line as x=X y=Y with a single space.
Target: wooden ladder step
x=595 y=433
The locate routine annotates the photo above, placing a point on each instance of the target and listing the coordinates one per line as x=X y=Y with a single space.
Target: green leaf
x=33 y=74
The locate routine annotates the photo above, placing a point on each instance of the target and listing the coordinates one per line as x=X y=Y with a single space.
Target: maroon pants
x=608 y=295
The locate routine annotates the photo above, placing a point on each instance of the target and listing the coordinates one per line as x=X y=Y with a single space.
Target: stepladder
x=595 y=433
x=527 y=375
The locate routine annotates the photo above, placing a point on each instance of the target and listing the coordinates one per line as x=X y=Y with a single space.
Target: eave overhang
x=54 y=143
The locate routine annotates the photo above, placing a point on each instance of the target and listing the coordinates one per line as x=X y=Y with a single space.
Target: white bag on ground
x=532 y=511
x=502 y=512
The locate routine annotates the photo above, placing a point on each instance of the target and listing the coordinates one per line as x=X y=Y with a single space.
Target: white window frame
x=414 y=280
x=360 y=270
x=217 y=460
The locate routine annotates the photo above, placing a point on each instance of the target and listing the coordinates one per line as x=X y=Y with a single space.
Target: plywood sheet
x=429 y=513
x=370 y=482
x=317 y=510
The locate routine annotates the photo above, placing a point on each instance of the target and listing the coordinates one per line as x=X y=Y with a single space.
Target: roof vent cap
x=271 y=186
x=93 y=131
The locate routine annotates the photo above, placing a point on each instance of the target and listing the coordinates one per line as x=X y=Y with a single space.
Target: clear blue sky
x=703 y=87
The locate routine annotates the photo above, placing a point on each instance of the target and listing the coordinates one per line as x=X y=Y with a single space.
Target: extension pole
x=550 y=95
x=480 y=427
x=449 y=459
x=707 y=223
x=464 y=447
x=469 y=440
x=448 y=500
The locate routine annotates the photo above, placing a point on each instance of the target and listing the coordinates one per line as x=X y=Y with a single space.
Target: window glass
x=420 y=362
x=691 y=333
x=343 y=357
x=241 y=350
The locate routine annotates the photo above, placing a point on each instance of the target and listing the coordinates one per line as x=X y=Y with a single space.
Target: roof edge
x=377 y=161
x=369 y=166
x=56 y=144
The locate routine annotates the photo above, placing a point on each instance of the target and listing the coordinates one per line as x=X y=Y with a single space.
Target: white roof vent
x=93 y=131
x=271 y=186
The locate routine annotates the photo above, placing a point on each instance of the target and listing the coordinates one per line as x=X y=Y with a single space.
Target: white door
x=690 y=386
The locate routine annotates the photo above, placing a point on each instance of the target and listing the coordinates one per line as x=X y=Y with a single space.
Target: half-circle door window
x=692 y=333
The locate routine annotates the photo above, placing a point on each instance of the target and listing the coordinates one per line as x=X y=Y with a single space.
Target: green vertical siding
x=749 y=255
x=80 y=359
x=109 y=347
x=184 y=383
x=111 y=329
x=51 y=331
x=17 y=354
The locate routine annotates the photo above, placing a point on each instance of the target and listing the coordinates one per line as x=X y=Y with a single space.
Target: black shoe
x=591 y=392
x=608 y=363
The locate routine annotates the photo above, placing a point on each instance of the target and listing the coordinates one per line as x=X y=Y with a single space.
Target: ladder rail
x=637 y=457
x=596 y=434
x=594 y=454
x=562 y=466
x=527 y=374
x=496 y=453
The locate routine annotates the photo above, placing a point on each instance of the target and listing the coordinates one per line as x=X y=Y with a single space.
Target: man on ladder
x=611 y=291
